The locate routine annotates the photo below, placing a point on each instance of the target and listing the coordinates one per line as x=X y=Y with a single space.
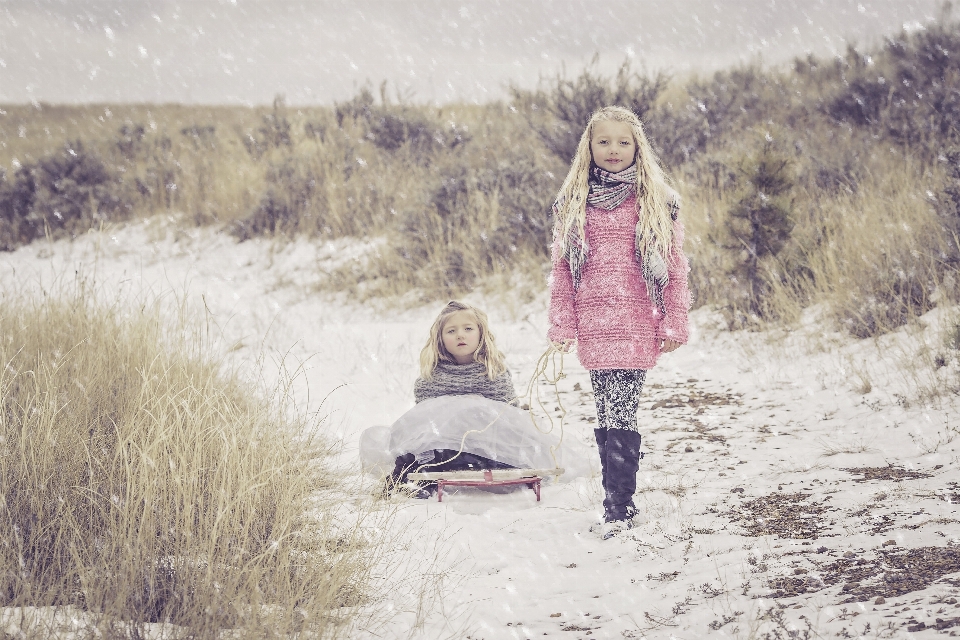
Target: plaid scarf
x=608 y=191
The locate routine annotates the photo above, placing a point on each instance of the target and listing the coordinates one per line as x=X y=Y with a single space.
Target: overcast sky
x=247 y=51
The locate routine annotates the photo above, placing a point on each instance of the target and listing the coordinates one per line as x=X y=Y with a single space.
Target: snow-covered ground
x=793 y=485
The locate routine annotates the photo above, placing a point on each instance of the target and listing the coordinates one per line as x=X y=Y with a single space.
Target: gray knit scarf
x=608 y=191
x=461 y=379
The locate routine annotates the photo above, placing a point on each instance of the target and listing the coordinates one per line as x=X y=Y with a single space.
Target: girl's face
x=460 y=334
x=612 y=146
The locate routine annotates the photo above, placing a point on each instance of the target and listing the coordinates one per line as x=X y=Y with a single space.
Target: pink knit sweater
x=610 y=314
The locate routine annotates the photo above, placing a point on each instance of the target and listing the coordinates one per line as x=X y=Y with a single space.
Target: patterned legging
x=617 y=394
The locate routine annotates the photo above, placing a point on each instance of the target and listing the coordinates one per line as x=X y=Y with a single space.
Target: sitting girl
x=460 y=358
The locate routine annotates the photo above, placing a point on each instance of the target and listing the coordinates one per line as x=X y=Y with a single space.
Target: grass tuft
x=143 y=483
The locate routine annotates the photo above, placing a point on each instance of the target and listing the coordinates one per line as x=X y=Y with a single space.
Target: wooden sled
x=486 y=478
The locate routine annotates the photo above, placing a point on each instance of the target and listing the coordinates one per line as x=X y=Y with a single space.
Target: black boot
x=622 y=460
x=401 y=468
x=601 y=436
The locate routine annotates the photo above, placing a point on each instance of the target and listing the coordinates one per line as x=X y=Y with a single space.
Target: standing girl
x=618 y=289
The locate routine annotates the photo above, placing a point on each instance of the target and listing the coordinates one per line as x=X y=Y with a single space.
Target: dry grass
x=878 y=259
x=460 y=194
x=840 y=445
x=801 y=186
x=173 y=157
x=929 y=359
x=871 y=255
x=144 y=484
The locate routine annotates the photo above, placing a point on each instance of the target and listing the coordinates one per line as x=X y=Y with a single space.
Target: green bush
x=59 y=195
x=392 y=126
x=759 y=224
x=949 y=207
x=273 y=132
x=289 y=195
x=908 y=90
x=483 y=212
x=716 y=112
x=560 y=108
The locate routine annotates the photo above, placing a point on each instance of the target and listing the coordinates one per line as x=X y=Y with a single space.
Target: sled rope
x=463 y=441
x=550 y=369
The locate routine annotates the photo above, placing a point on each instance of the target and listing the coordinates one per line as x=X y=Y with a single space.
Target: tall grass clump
x=142 y=483
x=879 y=259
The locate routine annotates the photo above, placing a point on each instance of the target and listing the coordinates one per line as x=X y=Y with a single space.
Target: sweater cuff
x=669 y=331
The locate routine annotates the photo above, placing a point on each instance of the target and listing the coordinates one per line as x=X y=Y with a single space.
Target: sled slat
x=498 y=474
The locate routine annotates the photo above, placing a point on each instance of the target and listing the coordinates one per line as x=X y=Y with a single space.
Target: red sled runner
x=485 y=478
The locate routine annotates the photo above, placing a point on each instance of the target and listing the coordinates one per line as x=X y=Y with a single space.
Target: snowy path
x=774 y=493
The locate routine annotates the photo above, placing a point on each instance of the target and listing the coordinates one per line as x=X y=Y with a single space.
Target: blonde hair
x=655 y=223
x=487 y=353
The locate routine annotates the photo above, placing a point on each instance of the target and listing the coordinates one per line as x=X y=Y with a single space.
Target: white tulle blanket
x=476 y=425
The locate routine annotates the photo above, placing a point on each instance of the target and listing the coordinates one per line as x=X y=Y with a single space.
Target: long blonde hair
x=487 y=353
x=655 y=224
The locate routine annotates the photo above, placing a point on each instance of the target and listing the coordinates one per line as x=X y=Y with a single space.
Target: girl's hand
x=565 y=346
x=668 y=345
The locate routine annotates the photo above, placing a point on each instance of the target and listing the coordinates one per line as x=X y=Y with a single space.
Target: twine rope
x=550 y=369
